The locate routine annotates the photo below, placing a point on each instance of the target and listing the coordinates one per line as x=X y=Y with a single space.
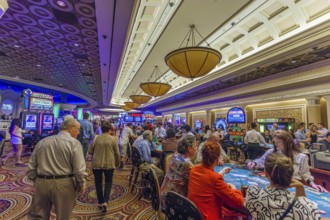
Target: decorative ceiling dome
x=126 y=108
x=140 y=99
x=131 y=104
x=193 y=61
x=155 y=88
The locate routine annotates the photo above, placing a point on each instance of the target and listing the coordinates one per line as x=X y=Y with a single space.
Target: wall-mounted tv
x=236 y=115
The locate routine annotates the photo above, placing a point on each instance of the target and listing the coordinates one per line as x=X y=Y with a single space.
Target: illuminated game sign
x=7 y=106
x=236 y=115
x=41 y=104
x=148 y=114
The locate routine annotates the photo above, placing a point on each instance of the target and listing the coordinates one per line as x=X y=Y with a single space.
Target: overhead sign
x=236 y=115
x=41 y=104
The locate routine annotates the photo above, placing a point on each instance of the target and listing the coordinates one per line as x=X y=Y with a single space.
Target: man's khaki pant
x=48 y=192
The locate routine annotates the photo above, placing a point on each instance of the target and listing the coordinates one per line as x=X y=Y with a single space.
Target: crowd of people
x=58 y=166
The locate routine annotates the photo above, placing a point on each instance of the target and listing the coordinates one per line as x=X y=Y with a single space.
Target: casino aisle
x=16 y=195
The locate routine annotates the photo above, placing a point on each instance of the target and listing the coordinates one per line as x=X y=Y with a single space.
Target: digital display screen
x=47 y=122
x=129 y=119
x=137 y=119
x=59 y=120
x=236 y=115
x=198 y=124
x=31 y=122
x=41 y=104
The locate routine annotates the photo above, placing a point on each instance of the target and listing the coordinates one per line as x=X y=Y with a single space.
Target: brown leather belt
x=54 y=177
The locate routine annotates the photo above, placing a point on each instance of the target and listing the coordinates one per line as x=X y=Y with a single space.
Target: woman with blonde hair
x=284 y=144
x=276 y=201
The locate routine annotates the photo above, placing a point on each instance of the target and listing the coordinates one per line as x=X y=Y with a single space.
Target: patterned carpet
x=16 y=196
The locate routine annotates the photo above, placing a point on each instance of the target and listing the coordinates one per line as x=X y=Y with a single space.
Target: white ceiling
x=240 y=31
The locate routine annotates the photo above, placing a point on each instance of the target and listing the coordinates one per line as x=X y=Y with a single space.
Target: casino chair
x=167 y=162
x=162 y=159
x=253 y=150
x=135 y=171
x=155 y=195
x=180 y=207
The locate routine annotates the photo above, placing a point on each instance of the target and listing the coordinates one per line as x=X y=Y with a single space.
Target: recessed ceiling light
x=38 y=65
x=76 y=45
x=60 y=3
x=15 y=45
x=293 y=61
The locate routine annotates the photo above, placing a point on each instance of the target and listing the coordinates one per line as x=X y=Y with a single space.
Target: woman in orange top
x=207 y=189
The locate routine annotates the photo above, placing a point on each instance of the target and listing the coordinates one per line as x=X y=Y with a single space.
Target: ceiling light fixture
x=15 y=45
x=60 y=3
x=140 y=99
x=155 y=88
x=193 y=61
x=76 y=45
x=131 y=104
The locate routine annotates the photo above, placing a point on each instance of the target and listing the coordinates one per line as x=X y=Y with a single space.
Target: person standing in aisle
x=125 y=135
x=106 y=159
x=58 y=169
x=16 y=138
x=87 y=133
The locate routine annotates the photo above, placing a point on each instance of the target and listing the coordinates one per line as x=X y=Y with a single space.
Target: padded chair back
x=180 y=207
x=253 y=150
x=136 y=157
x=155 y=190
x=162 y=159
x=167 y=162
x=2 y=146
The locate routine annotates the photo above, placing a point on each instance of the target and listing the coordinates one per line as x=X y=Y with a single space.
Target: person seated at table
x=284 y=144
x=176 y=178
x=208 y=190
x=273 y=201
x=301 y=136
x=326 y=141
x=223 y=156
x=267 y=137
x=170 y=143
x=147 y=162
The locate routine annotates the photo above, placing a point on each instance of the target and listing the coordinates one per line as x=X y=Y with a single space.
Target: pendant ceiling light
x=192 y=61
x=155 y=88
x=126 y=108
x=140 y=99
x=131 y=104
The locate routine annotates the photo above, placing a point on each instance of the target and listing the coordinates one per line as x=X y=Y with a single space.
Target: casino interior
x=176 y=63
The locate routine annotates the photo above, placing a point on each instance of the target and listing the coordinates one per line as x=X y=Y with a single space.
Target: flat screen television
x=236 y=115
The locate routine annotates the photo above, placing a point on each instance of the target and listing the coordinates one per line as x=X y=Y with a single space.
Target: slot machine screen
x=198 y=124
x=47 y=122
x=59 y=121
x=30 y=122
x=137 y=119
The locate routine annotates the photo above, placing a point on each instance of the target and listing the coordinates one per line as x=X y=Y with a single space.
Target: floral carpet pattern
x=16 y=196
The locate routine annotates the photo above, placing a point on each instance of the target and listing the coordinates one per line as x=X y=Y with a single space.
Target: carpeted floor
x=16 y=196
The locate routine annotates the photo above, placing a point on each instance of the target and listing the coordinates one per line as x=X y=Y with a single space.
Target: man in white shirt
x=254 y=136
x=124 y=141
x=321 y=132
x=160 y=131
